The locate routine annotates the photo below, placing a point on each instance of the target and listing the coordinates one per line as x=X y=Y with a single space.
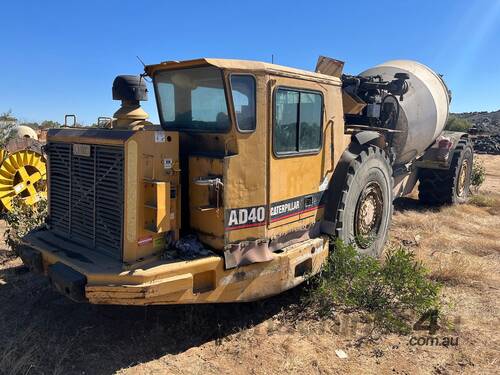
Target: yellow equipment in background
x=22 y=170
x=22 y=174
x=3 y=155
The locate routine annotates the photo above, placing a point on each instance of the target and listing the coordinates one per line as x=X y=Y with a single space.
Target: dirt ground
x=44 y=333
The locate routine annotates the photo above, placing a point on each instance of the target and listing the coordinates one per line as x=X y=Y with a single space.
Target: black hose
x=397 y=110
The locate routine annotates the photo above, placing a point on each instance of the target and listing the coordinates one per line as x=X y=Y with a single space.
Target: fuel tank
x=424 y=108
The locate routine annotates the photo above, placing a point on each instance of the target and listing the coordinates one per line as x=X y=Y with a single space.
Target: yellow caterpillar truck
x=234 y=196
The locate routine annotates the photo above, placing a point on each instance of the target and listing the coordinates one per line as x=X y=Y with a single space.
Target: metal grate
x=86 y=195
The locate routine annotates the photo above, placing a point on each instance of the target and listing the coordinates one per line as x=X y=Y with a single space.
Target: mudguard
x=334 y=190
x=439 y=154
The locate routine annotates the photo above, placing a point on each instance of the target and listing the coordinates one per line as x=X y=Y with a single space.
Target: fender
x=358 y=143
x=436 y=157
x=336 y=185
x=368 y=136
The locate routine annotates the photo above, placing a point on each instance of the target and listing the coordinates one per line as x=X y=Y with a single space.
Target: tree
x=7 y=123
x=7 y=117
x=49 y=124
x=457 y=124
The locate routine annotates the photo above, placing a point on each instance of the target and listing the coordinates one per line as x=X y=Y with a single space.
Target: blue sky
x=61 y=57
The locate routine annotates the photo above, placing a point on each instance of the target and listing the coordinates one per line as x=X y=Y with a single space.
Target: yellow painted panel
x=300 y=174
x=157 y=206
x=155 y=154
x=205 y=202
x=131 y=191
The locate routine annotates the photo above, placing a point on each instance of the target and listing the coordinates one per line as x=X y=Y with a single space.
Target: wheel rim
x=368 y=214
x=462 y=178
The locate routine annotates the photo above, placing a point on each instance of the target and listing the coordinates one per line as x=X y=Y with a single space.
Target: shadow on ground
x=47 y=333
x=44 y=332
x=406 y=204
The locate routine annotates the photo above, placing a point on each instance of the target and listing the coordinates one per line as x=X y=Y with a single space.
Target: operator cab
x=256 y=151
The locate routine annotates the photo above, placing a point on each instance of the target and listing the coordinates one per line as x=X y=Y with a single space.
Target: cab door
x=297 y=173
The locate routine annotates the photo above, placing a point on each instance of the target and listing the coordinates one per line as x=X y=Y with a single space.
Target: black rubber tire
x=370 y=166
x=438 y=187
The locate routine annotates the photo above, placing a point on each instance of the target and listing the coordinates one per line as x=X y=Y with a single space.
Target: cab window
x=243 y=93
x=297 y=121
x=192 y=99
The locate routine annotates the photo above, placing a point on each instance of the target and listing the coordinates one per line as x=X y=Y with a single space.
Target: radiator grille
x=86 y=195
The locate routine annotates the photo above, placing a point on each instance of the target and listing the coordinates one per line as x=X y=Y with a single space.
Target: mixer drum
x=424 y=109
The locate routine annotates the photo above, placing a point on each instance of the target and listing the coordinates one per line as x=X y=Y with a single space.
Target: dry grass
x=457 y=268
x=453 y=241
x=460 y=244
x=491 y=202
x=15 y=357
x=43 y=333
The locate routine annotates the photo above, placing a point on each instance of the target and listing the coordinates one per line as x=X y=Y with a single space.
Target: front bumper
x=31 y=258
x=86 y=276
x=63 y=278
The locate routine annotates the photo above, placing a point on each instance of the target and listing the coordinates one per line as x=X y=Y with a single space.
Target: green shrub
x=489 y=201
x=457 y=124
x=478 y=175
x=22 y=219
x=392 y=292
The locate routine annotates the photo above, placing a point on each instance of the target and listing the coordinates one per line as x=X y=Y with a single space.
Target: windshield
x=192 y=99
